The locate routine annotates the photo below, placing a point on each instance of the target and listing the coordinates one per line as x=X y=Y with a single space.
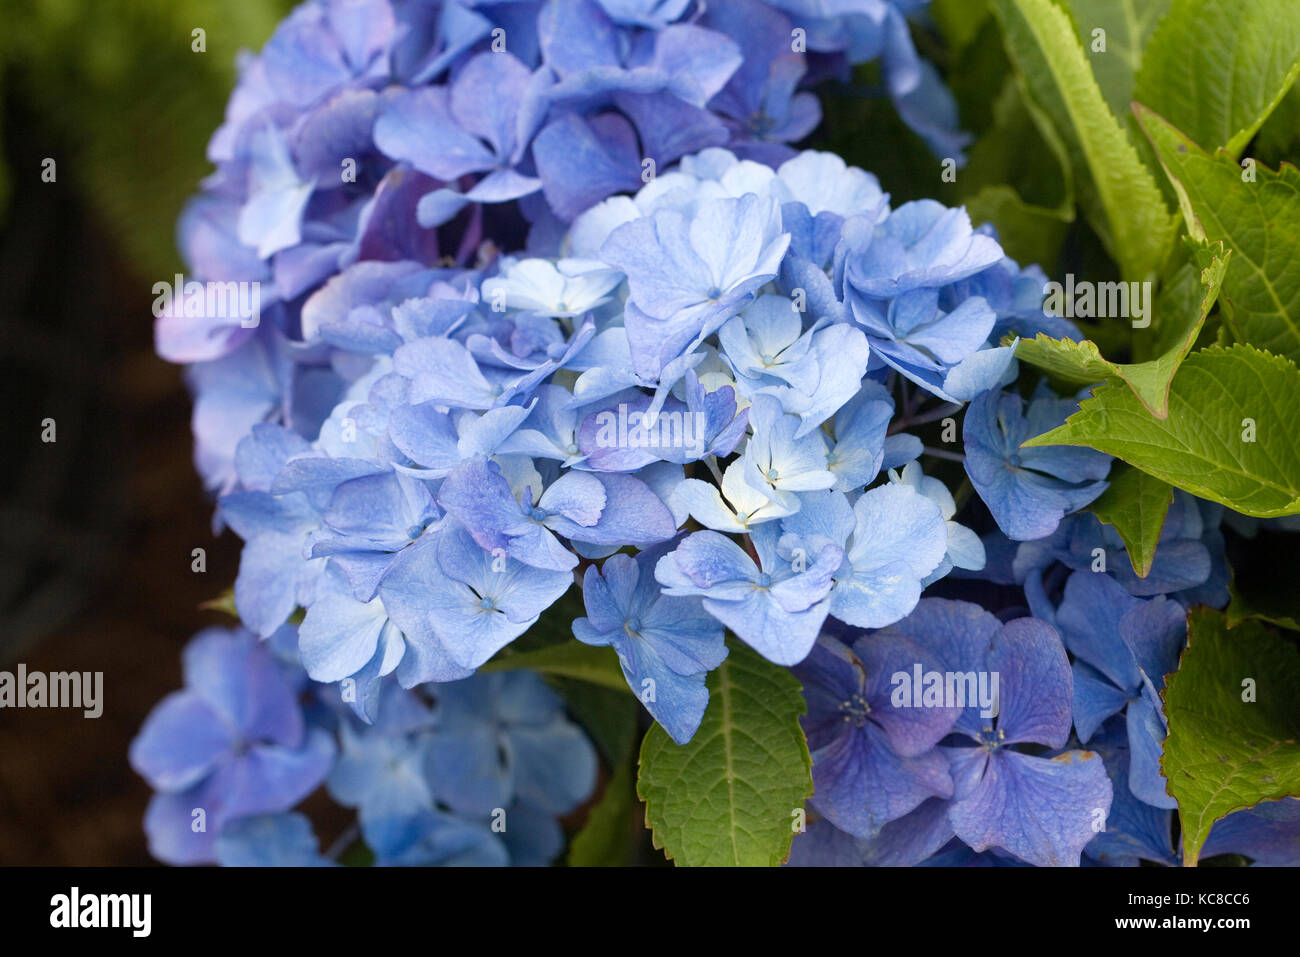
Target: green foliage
x=1116 y=54
x=609 y=716
x=1259 y=221
x=131 y=104
x=1217 y=68
x=1082 y=362
x=570 y=659
x=1279 y=137
x=223 y=603
x=1117 y=192
x=604 y=839
x=1018 y=178
x=1234 y=732
x=1229 y=435
x=731 y=795
x=1136 y=505
x=1263 y=582
x=1278 y=606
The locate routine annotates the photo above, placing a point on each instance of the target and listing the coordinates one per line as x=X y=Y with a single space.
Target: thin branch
x=344 y=841
x=944 y=454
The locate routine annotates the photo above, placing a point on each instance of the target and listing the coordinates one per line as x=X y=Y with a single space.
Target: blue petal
x=1040 y=809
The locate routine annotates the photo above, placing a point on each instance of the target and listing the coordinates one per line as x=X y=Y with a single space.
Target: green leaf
x=1018 y=178
x=224 y=603
x=93 y=71
x=1118 y=193
x=1259 y=221
x=1128 y=25
x=1224 y=753
x=728 y=797
x=606 y=839
x=959 y=21
x=1136 y=505
x=1082 y=362
x=1229 y=436
x=570 y=659
x=1026 y=232
x=977 y=73
x=1279 y=137
x=1217 y=68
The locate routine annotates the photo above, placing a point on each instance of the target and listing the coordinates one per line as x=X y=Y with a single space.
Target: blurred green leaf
x=571 y=659
x=609 y=716
x=606 y=839
x=1279 y=137
x=132 y=103
x=1018 y=178
x=1215 y=69
x=960 y=21
x=1116 y=54
x=1116 y=191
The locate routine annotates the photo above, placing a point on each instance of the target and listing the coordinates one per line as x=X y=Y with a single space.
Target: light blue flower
x=770 y=605
x=666 y=645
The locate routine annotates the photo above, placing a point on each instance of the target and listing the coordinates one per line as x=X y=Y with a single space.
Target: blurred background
x=98 y=527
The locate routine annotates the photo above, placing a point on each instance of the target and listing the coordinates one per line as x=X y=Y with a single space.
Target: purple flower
x=872 y=762
x=1043 y=809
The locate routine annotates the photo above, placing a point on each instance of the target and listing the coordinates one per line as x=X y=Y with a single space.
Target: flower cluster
x=711 y=351
x=400 y=131
x=472 y=772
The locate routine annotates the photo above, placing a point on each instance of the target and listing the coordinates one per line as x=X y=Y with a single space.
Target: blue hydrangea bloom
x=270 y=840
x=770 y=605
x=504 y=737
x=892 y=539
x=1189 y=563
x=1028 y=491
x=233 y=743
x=872 y=762
x=485 y=430
x=1135 y=830
x=1123 y=647
x=665 y=644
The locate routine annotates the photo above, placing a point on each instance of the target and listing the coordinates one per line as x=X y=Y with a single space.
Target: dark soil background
x=97 y=528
